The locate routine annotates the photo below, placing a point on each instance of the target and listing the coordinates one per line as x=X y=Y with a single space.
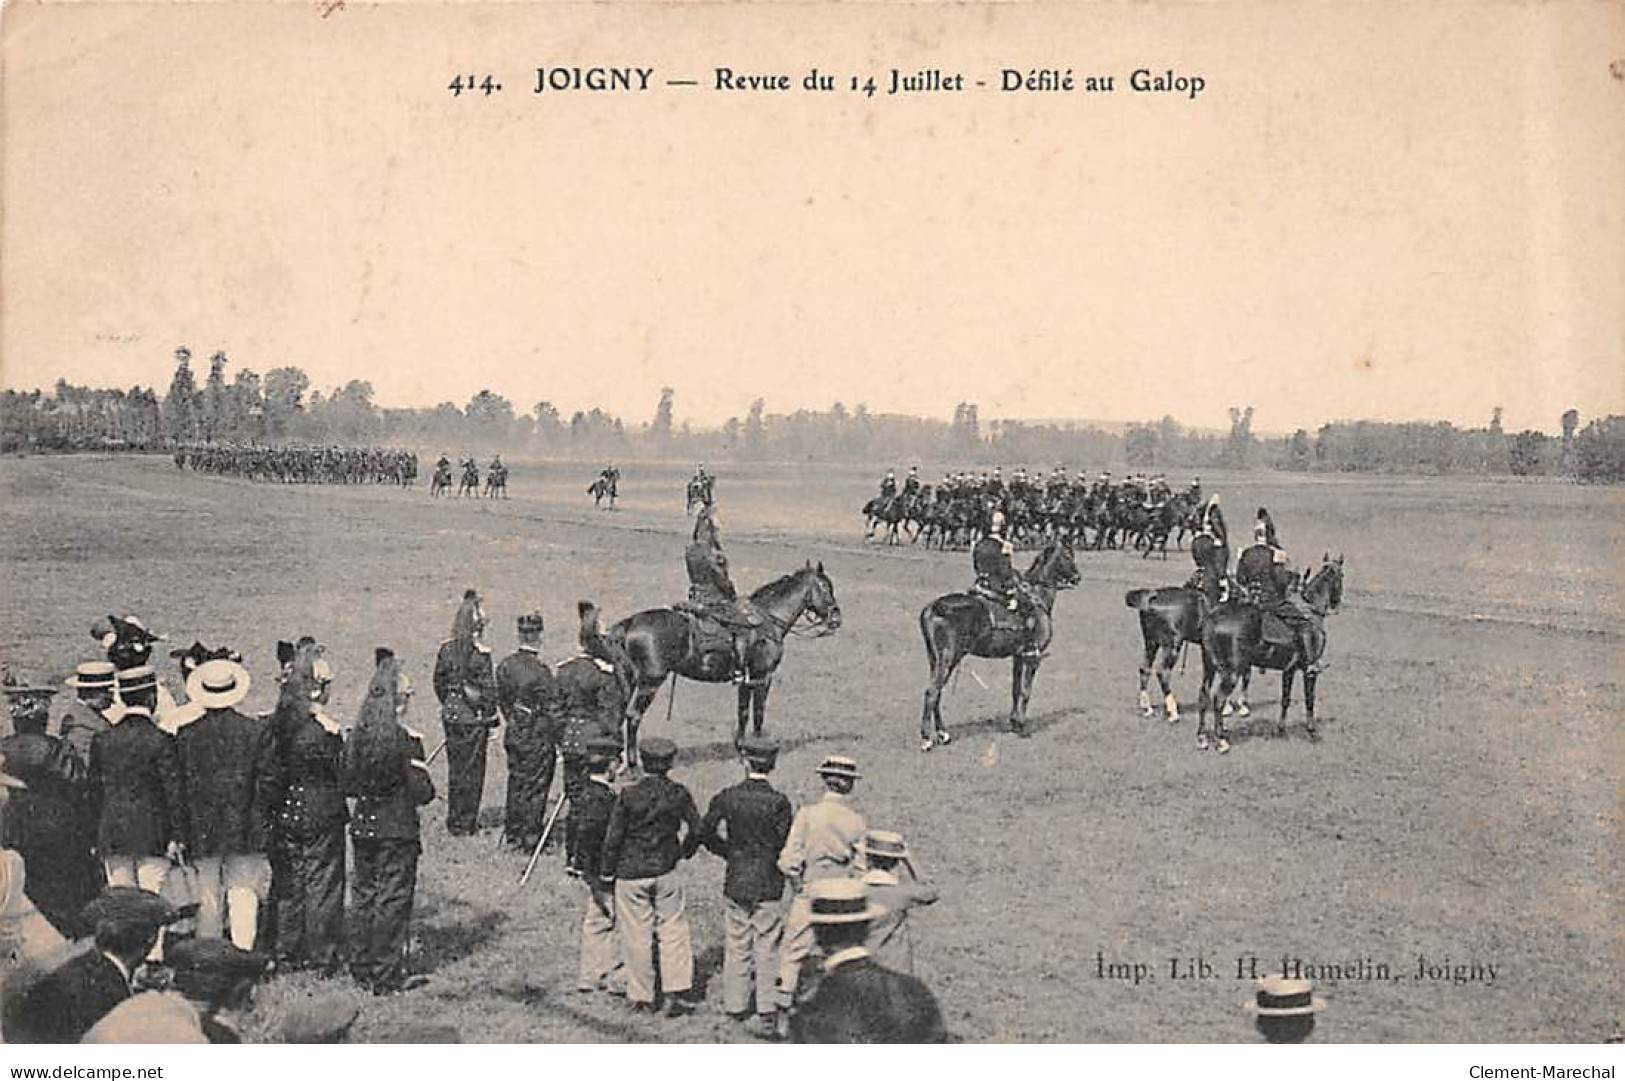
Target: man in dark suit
x=858 y=1001
x=62 y=1005
x=528 y=699
x=135 y=786
x=92 y=682
x=48 y=822
x=230 y=770
x=747 y=824
x=592 y=701
x=589 y=819
x=654 y=826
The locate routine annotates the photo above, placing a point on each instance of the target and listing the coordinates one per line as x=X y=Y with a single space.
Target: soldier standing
x=593 y=703
x=822 y=843
x=528 y=699
x=594 y=803
x=385 y=772
x=465 y=684
x=654 y=826
x=747 y=825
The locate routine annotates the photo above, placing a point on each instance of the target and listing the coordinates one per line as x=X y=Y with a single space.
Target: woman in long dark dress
x=384 y=770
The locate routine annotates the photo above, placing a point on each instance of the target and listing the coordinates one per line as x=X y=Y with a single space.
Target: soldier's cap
x=760 y=749
x=218 y=684
x=838 y=765
x=842 y=900
x=320 y=1019
x=213 y=958
x=127 y=906
x=657 y=752
x=531 y=623
x=883 y=843
x=139 y=678
x=604 y=749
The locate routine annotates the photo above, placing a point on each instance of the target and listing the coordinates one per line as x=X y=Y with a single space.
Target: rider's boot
x=741 y=652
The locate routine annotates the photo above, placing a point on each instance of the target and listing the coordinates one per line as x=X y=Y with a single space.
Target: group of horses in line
x=1091 y=519
x=1233 y=635
x=496 y=480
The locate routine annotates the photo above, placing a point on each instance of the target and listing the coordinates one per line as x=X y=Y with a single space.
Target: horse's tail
x=1136 y=598
x=926 y=621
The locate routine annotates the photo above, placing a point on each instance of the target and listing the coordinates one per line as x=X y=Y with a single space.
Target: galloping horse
x=470 y=484
x=661 y=643
x=1233 y=643
x=440 y=483
x=961 y=624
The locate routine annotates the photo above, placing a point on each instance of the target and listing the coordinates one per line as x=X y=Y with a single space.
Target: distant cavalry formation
x=496 y=478
x=1137 y=513
x=301 y=464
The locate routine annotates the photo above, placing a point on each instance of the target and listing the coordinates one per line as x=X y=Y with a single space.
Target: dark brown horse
x=1170 y=618
x=961 y=624
x=661 y=643
x=1233 y=643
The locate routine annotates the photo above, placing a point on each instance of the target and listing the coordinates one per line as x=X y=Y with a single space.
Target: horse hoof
x=1224 y=746
x=925 y=746
x=1147 y=711
x=944 y=738
x=1173 y=717
x=1227 y=710
x=1201 y=743
x=1244 y=710
x=1314 y=735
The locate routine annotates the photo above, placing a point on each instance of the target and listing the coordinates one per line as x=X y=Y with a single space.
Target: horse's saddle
x=714 y=626
x=1277 y=632
x=1000 y=612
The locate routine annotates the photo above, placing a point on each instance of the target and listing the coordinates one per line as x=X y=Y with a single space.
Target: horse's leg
x=1309 y=678
x=1148 y=661
x=745 y=691
x=1287 y=675
x=1227 y=687
x=1165 y=664
x=1018 y=677
x=1244 y=708
x=759 y=705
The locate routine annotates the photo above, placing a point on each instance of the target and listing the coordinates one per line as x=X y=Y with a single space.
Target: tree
x=489 y=415
x=1571 y=421
x=214 y=399
x=1140 y=445
x=181 y=403
x=284 y=400
x=756 y=428
x=549 y=425
x=660 y=430
x=1299 y=454
x=1599 y=451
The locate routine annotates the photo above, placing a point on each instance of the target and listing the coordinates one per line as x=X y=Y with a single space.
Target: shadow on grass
x=724 y=750
x=439 y=945
x=1036 y=723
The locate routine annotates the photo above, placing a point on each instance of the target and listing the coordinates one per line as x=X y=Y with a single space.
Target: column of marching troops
x=161 y=857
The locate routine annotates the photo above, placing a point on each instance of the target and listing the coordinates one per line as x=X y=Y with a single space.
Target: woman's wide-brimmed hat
x=218 y=684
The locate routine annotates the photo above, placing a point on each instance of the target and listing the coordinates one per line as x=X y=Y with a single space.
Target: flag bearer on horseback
x=996 y=575
x=711 y=592
x=1262 y=574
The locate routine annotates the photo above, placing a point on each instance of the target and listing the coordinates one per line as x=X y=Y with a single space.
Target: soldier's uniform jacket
x=230 y=769
x=708 y=581
x=591 y=702
x=1255 y=572
x=747 y=825
x=311 y=748
x=135 y=783
x=528 y=697
x=858 y=1001
x=384 y=771
x=465 y=683
x=888 y=488
x=643 y=840
x=991 y=560
x=587 y=825
x=1213 y=525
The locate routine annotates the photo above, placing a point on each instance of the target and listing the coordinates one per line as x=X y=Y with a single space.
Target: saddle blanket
x=1277 y=632
x=999 y=612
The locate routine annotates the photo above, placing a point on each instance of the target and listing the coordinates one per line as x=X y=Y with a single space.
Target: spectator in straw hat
x=48 y=822
x=822 y=843
x=889 y=939
x=654 y=826
x=528 y=699
x=86 y=715
x=858 y=1000
x=384 y=770
x=136 y=787
x=1284 y=1009
x=230 y=769
x=213 y=981
x=747 y=825
x=600 y=967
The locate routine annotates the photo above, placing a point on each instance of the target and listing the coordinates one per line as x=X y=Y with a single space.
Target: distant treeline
x=282 y=407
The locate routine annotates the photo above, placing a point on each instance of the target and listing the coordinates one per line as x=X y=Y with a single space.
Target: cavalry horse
x=496 y=482
x=962 y=624
x=1170 y=618
x=601 y=489
x=470 y=484
x=700 y=492
x=662 y=643
x=1234 y=643
x=440 y=482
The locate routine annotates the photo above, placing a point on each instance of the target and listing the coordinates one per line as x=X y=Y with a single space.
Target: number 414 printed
x=487 y=85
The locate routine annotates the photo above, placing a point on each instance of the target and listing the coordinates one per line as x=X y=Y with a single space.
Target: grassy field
x=1463 y=807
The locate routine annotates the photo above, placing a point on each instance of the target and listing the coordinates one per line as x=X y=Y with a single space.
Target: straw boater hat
x=838 y=765
x=1280 y=997
x=139 y=678
x=883 y=843
x=218 y=684
x=842 y=900
x=92 y=675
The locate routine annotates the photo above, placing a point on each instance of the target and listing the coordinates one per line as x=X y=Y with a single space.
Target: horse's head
x=826 y=611
x=1055 y=566
x=1324 y=590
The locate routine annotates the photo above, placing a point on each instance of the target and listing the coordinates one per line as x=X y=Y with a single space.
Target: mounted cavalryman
x=711 y=592
x=1263 y=575
x=996 y=575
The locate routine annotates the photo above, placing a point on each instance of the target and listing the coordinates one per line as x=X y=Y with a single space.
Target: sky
x=1385 y=211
